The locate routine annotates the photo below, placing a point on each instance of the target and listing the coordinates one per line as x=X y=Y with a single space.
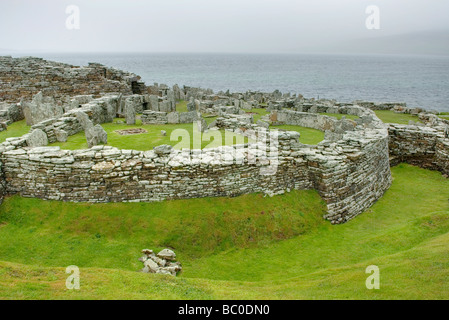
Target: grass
x=257 y=113
x=56 y=233
x=184 y=136
x=229 y=249
x=181 y=106
x=389 y=116
x=307 y=135
x=16 y=129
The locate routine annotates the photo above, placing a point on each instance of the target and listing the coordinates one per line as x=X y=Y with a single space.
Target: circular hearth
x=127 y=132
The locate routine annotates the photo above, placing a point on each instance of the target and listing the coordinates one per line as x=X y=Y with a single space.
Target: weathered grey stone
x=96 y=135
x=201 y=124
x=165 y=106
x=263 y=124
x=37 y=138
x=41 y=108
x=130 y=112
x=188 y=117
x=167 y=254
x=173 y=117
x=172 y=100
x=151 y=265
x=84 y=120
x=159 y=264
x=191 y=105
x=61 y=135
x=154 y=103
x=163 y=149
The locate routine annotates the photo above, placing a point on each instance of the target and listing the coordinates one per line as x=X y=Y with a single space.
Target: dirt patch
x=127 y=132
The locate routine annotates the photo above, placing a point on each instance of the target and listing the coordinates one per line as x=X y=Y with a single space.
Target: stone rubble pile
x=162 y=263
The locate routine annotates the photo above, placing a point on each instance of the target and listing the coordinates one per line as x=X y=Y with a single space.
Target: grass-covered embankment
x=230 y=250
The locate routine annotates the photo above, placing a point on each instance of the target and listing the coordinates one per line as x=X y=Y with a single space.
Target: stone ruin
x=350 y=168
x=162 y=263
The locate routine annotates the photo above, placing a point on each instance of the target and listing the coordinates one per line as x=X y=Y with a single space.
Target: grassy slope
x=388 y=116
x=405 y=233
x=46 y=232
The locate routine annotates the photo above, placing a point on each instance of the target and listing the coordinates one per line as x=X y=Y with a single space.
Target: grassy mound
x=286 y=253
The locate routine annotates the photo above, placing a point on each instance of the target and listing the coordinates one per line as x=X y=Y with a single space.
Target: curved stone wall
x=425 y=145
x=350 y=172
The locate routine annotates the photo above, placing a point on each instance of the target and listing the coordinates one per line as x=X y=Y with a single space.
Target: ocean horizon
x=420 y=81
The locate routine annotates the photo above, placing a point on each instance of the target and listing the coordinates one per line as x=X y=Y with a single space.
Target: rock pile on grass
x=163 y=263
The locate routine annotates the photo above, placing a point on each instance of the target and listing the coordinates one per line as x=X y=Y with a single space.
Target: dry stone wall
x=426 y=146
x=350 y=174
x=22 y=78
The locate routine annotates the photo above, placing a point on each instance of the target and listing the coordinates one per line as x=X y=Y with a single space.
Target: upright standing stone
x=173 y=117
x=165 y=106
x=95 y=135
x=172 y=100
x=37 y=138
x=177 y=92
x=41 y=108
x=130 y=112
x=191 y=105
x=154 y=103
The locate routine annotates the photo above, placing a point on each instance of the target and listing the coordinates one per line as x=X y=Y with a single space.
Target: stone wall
x=423 y=146
x=350 y=174
x=159 y=117
x=22 y=78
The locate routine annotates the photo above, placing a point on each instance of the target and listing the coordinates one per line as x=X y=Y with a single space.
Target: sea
x=420 y=81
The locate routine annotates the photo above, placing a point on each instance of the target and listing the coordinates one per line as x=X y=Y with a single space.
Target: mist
x=243 y=26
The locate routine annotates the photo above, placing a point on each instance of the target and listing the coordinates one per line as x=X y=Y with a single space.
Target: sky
x=231 y=26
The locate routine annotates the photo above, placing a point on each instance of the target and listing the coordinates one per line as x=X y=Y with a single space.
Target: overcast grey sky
x=264 y=26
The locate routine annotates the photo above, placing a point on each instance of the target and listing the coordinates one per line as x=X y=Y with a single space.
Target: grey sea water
x=420 y=81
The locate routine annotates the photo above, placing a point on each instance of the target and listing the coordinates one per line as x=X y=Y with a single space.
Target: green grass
x=16 y=129
x=257 y=113
x=153 y=137
x=58 y=232
x=229 y=249
x=388 y=116
x=339 y=115
x=181 y=106
x=307 y=135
